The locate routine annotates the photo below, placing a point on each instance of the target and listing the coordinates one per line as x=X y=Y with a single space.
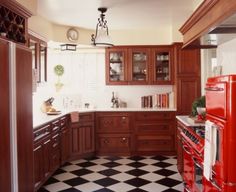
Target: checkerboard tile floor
x=117 y=174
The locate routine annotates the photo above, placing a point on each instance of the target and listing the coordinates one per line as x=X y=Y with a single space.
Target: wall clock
x=72 y=35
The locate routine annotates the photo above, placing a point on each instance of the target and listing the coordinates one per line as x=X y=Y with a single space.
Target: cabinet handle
x=37 y=148
x=123 y=140
x=46 y=142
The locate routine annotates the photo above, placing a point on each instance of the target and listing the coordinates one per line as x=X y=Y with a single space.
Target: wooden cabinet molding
x=206 y=17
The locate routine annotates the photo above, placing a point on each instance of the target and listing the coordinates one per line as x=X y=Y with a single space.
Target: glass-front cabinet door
x=116 y=69
x=139 y=66
x=162 y=65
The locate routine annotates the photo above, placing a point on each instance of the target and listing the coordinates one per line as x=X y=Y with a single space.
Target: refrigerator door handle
x=213 y=182
x=214 y=89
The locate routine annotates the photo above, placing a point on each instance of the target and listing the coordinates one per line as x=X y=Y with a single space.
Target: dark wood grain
x=5 y=184
x=24 y=118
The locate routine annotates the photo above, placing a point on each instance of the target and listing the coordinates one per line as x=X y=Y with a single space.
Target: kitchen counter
x=188 y=122
x=40 y=118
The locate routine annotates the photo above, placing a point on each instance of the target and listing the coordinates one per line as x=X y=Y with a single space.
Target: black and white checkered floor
x=117 y=174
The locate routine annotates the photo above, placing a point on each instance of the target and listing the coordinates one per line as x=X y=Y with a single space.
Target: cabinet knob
x=106 y=141
x=123 y=118
x=124 y=140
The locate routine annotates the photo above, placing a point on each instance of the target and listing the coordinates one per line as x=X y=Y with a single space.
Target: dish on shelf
x=53 y=112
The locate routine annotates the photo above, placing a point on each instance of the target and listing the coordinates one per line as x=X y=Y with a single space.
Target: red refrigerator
x=221 y=112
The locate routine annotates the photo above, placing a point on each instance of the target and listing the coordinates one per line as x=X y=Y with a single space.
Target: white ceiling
x=121 y=14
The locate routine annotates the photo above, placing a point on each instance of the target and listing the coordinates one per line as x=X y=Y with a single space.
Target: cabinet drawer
x=154 y=128
x=55 y=141
x=55 y=125
x=113 y=124
x=153 y=116
x=114 y=143
x=155 y=143
x=63 y=121
x=42 y=132
x=85 y=117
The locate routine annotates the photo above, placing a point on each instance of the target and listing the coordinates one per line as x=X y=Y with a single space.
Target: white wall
x=84 y=81
x=226 y=57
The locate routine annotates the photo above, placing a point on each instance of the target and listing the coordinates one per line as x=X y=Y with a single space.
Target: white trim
x=13 y=117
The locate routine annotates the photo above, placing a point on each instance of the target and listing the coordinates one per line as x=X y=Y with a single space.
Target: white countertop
x=40 y=118
x=188 y=121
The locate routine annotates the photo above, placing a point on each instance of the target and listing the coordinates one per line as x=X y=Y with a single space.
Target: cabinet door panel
x=163 y=65
x=155 y=143
x=65 y=144
x=189 y=90
x=116 y=66
x=88 y=138
x=46 y=157
x=77 y=142
x=38 y=165
x=139 y=60
x=5 y=171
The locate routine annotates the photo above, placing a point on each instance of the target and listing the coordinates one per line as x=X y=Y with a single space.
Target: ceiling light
x=68 y=47
x=101 y=37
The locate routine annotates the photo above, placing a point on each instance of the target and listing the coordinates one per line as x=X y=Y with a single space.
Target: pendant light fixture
x=101 y=37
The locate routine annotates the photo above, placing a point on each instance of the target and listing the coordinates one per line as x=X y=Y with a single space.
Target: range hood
x=222 y=33
x=211 y=24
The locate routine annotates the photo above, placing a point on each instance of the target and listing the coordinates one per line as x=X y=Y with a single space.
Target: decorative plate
x=72 y=35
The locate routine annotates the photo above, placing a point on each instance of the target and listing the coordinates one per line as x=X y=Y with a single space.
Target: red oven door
x=188 y=166
x=216 y=99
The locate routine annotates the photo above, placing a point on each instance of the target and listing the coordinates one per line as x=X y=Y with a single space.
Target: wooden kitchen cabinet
x=65 y=139
x=51 y=149
x=42 y=155
x=116 y=66
x=163 y=65
x=38 y=45
x=139 y=65
x=113 y=133
x=154 y=133
x=83 y=136
x=187 y=78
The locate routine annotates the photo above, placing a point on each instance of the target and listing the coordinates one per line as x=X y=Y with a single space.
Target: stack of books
x=157 y=101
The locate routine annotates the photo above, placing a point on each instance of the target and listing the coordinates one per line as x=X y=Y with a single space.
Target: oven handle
x=213 y=182
x=214 y=89
x=185 y=149
x=197 y=163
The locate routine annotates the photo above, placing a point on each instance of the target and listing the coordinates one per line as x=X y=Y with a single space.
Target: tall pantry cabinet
x=16 y=135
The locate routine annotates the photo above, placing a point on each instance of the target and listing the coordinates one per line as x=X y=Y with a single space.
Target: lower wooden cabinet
x=113 y=133
x=65 y=140
x=154 y=133
x=83 y=136
x=51 y=149
x=114 y=144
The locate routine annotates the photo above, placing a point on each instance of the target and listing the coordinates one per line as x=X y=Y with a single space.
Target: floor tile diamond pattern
x=117 y=174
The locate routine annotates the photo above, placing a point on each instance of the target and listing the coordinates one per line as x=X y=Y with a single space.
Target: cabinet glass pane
x=116 y=60
x=162 y=66
x=139 y=71
x=43 y=63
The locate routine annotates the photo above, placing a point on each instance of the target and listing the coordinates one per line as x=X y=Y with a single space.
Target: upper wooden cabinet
x=211 y=17
x=39 y=57
x=139 y=65
x=162 y=69
x=14 y=22
x=116 y=66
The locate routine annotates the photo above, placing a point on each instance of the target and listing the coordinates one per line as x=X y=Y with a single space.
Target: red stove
x=221 y=112
x=193 y=148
